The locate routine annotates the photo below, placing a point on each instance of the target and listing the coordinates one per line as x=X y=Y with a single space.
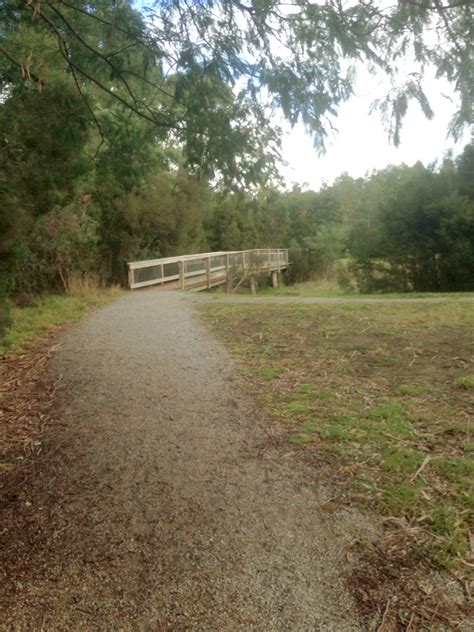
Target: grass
x=46 y=313
x=319 y=289
x=330 y=289
x=379 y=395
x=465 y=381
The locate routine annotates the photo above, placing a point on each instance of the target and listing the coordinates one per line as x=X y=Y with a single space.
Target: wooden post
x=182 y=280
x=253 y=284
x=208 y=272
x=274 y=278
x=130 y=278
x=227 y=272
x=162 y=268
x=269 y=259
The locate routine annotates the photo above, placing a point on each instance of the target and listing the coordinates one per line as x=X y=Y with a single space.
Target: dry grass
x=380 y=399
x=26 y=394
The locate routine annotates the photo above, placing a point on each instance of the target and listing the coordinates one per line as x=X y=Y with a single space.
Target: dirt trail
x=162 y=503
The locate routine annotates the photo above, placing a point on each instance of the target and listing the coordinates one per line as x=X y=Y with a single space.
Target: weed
x=322 y=394
x=269 y=372
x=304 y=388
x=296 y=407
x=403 y=461
x=398 y=498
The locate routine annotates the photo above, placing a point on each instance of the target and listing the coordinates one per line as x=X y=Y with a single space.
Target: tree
x=415 y=230
x=114 y=60
x=214 y=66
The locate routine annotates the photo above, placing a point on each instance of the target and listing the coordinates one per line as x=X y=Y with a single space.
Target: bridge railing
x=205 y=269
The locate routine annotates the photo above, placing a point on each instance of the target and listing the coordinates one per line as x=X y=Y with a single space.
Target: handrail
x=151 y=262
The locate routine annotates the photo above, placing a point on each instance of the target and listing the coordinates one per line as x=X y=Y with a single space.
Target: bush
x=61 y=244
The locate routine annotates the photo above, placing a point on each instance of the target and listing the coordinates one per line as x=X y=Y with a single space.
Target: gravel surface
x=310 y=300
x=165 y=505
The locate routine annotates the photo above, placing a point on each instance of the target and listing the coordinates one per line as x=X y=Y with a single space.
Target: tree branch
x=131 y=106
x=95 y=52
x=91 y=111
x=24 y=69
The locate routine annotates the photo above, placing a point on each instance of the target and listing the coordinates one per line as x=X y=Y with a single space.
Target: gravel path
x=167 y=507
x=310 y=300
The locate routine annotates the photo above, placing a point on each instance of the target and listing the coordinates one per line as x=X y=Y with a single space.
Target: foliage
x=298 y=56
x=62 y=242
x=415 y=231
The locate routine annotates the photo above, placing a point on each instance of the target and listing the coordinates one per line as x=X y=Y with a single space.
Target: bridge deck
x=206 y=270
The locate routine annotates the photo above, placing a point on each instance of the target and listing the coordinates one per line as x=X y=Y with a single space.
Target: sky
x=362 y=145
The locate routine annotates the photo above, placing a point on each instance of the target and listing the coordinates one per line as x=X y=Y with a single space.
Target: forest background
x=127 y=136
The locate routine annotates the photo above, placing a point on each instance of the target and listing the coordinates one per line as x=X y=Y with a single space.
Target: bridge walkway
x=205 y=270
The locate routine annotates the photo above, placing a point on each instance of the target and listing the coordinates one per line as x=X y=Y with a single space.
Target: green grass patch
x=413 y=389
x=46 y=313
x=299 y=438
x=465 y=381
x=330 y=289
x=319 y=289
x=382 y=390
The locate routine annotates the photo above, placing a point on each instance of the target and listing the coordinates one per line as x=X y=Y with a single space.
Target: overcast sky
x=362 y=145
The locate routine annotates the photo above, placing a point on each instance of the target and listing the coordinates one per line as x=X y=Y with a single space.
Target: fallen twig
x=431 y=615
x=384 y=617
x=426 y=460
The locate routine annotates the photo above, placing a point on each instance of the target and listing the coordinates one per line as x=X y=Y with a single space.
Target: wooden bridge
x=206 y=270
